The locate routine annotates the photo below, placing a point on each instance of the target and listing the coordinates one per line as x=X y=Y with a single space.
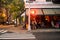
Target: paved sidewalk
x=46 y=30
x=19 y=33
x=15 y=33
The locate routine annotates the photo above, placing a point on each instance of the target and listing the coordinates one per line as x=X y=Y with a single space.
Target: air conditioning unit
x=56 y=1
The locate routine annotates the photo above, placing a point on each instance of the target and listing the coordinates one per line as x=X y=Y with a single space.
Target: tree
x=13 y=6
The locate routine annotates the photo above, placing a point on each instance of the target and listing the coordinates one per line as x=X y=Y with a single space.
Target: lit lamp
x=33 y=12
x=3 y=15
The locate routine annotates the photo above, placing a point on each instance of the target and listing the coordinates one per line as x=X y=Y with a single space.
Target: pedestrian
x=52 y=23
x=42 y=25
x=33 y=26
x=38 y=25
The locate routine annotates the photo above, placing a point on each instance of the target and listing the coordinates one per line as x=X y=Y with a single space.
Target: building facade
x=44 y=12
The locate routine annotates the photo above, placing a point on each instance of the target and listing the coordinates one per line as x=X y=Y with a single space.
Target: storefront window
x=48 y=0
x=31 y=0
x=46 y=18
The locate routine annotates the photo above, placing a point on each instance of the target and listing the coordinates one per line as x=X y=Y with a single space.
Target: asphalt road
x=17 y=39
x=43 y=36
x=47 y=35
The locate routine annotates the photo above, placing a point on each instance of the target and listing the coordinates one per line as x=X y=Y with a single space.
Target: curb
x=46 y=30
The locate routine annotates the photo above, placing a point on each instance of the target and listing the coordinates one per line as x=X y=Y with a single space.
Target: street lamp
x=29 y=27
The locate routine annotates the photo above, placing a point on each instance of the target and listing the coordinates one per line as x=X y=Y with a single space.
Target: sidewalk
x=46 y=30
x=19 y=29
x=16 y=33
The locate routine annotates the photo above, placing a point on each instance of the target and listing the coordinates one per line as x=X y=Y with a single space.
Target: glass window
x=48 y=0
x=31 y=0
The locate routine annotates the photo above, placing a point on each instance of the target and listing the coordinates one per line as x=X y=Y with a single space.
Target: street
x=40 y=34
x=47 y=35
x=43 y=36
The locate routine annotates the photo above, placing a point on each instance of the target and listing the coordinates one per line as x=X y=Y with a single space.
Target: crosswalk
x=17 y=36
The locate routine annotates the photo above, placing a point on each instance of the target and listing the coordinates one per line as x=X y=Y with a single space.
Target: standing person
x=39 y=25
x=26 y=25
x=42 y=25
x=52 y=23
x=33 y=25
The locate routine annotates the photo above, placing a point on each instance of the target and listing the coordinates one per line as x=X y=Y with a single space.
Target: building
x=45 y=11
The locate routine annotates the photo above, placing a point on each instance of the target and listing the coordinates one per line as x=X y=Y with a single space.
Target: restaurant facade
x=44 y=12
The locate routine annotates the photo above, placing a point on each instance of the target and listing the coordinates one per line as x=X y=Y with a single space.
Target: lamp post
x=29 y=27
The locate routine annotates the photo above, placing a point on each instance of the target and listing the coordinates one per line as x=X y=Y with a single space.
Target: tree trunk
x=16 y=22
x=7 y=13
